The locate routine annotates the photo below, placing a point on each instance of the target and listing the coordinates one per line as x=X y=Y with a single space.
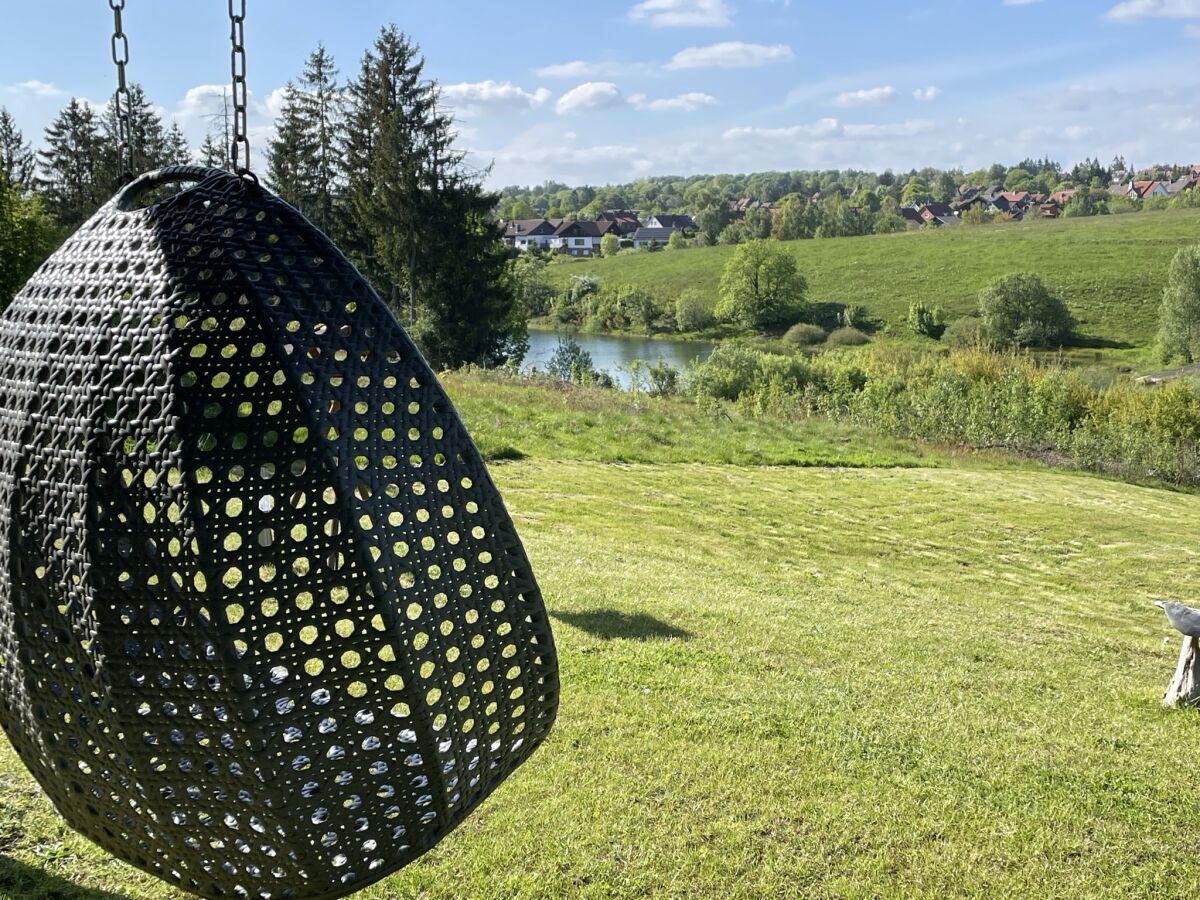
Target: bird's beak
x=1161 y=604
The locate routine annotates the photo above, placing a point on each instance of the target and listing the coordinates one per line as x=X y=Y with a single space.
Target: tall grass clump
x=974 y=397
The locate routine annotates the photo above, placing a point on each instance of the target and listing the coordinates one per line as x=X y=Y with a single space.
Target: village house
x=680 y=222
x=579 y=238
x=647 y=238
x=1146 y=190
x=623 y=222
x=1183 y=183
x=530 y=234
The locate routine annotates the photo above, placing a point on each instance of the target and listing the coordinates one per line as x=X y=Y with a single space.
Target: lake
x=614 y=352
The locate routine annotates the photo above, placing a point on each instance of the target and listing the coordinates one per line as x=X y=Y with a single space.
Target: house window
x=578 y=242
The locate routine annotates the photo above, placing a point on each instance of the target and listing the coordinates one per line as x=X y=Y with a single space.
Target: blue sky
x=593 y=93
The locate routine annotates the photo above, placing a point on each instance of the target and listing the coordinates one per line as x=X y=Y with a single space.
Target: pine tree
x=406 y=190
x=73 y=166
x=16 y=156
x=302 y=160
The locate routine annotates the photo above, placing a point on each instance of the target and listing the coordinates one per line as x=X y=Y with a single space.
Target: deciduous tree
x=1179 y=315
x=761 y=287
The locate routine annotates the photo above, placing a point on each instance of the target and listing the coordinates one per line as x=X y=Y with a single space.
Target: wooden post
x=1184 y=689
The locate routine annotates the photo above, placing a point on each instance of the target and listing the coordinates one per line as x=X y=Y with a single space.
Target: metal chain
x=239 y=150
x=121 y=99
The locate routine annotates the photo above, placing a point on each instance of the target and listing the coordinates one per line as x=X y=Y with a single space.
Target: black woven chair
x=266 y=629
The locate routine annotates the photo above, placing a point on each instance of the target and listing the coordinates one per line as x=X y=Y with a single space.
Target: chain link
x=240 y=148
x=122 y=102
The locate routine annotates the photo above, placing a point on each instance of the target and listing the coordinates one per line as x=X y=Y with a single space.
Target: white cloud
x=1192 y=31
x=1135 y=10
x=274 y=103
x=578 y=69
x=496 y=97
x=34 y=88
x=683 y=13
x=588 y=97
x=731 y=55
x=926 y=94
x=689 y=102
x=832 y=129
x=201 y=102
x=866 y=96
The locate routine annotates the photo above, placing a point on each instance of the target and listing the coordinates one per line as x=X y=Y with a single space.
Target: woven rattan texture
x=266 y=628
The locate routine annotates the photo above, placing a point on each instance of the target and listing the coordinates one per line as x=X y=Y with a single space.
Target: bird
x=1185 y=619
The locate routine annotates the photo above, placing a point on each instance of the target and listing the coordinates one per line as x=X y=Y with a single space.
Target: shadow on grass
x=18 y=879
x=610 y=623
x=1092 y=342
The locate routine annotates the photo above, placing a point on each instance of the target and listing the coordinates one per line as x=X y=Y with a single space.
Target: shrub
x=847 y=337
x=853 y=316
x=1179 y=315
x=610 y=245
x=965 y=332
x=925 y=321
x=805 y=335
x=729 y=372
x=571 y=363
x=663 y=379
x=677 y=241
x=1018 y=311
x=762 y=380
x=693 y=311
x=734 y=234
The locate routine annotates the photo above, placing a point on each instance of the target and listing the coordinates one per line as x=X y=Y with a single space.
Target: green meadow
x=802 y=661
x=1110 y=270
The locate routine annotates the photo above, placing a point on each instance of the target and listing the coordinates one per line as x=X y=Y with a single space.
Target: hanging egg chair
x=266 y=628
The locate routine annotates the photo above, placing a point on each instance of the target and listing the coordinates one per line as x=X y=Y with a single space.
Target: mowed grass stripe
x=821 y=682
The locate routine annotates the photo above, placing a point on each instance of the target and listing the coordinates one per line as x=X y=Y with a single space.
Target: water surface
x=614 y=353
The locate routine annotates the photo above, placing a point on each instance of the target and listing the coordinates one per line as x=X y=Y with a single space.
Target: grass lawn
x=783 y=681
x=1110 y=270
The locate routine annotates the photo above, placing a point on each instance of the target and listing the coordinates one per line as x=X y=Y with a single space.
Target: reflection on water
x=614 y=352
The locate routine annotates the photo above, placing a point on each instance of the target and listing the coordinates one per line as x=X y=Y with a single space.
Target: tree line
x=370 y=161
x=707 y=196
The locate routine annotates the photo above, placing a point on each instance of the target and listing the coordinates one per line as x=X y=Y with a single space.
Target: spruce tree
x=468 y=310
x=176 y=151
x=418 y=223
x=213 y=151
x=72 y=166
x=302 y=160
x=16 y=156
x=285 y=151
x=148 y=138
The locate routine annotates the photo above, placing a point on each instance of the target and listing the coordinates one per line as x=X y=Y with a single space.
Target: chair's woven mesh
x=266 y=629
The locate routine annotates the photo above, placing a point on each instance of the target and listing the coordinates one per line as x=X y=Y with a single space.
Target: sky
x=594 y=93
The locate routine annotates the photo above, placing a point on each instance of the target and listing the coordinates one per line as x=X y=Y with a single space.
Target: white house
x=577 y=238
x=530 y=234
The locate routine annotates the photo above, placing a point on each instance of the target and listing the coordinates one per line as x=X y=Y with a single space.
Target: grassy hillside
x=802 y=681
x=1110 y=270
